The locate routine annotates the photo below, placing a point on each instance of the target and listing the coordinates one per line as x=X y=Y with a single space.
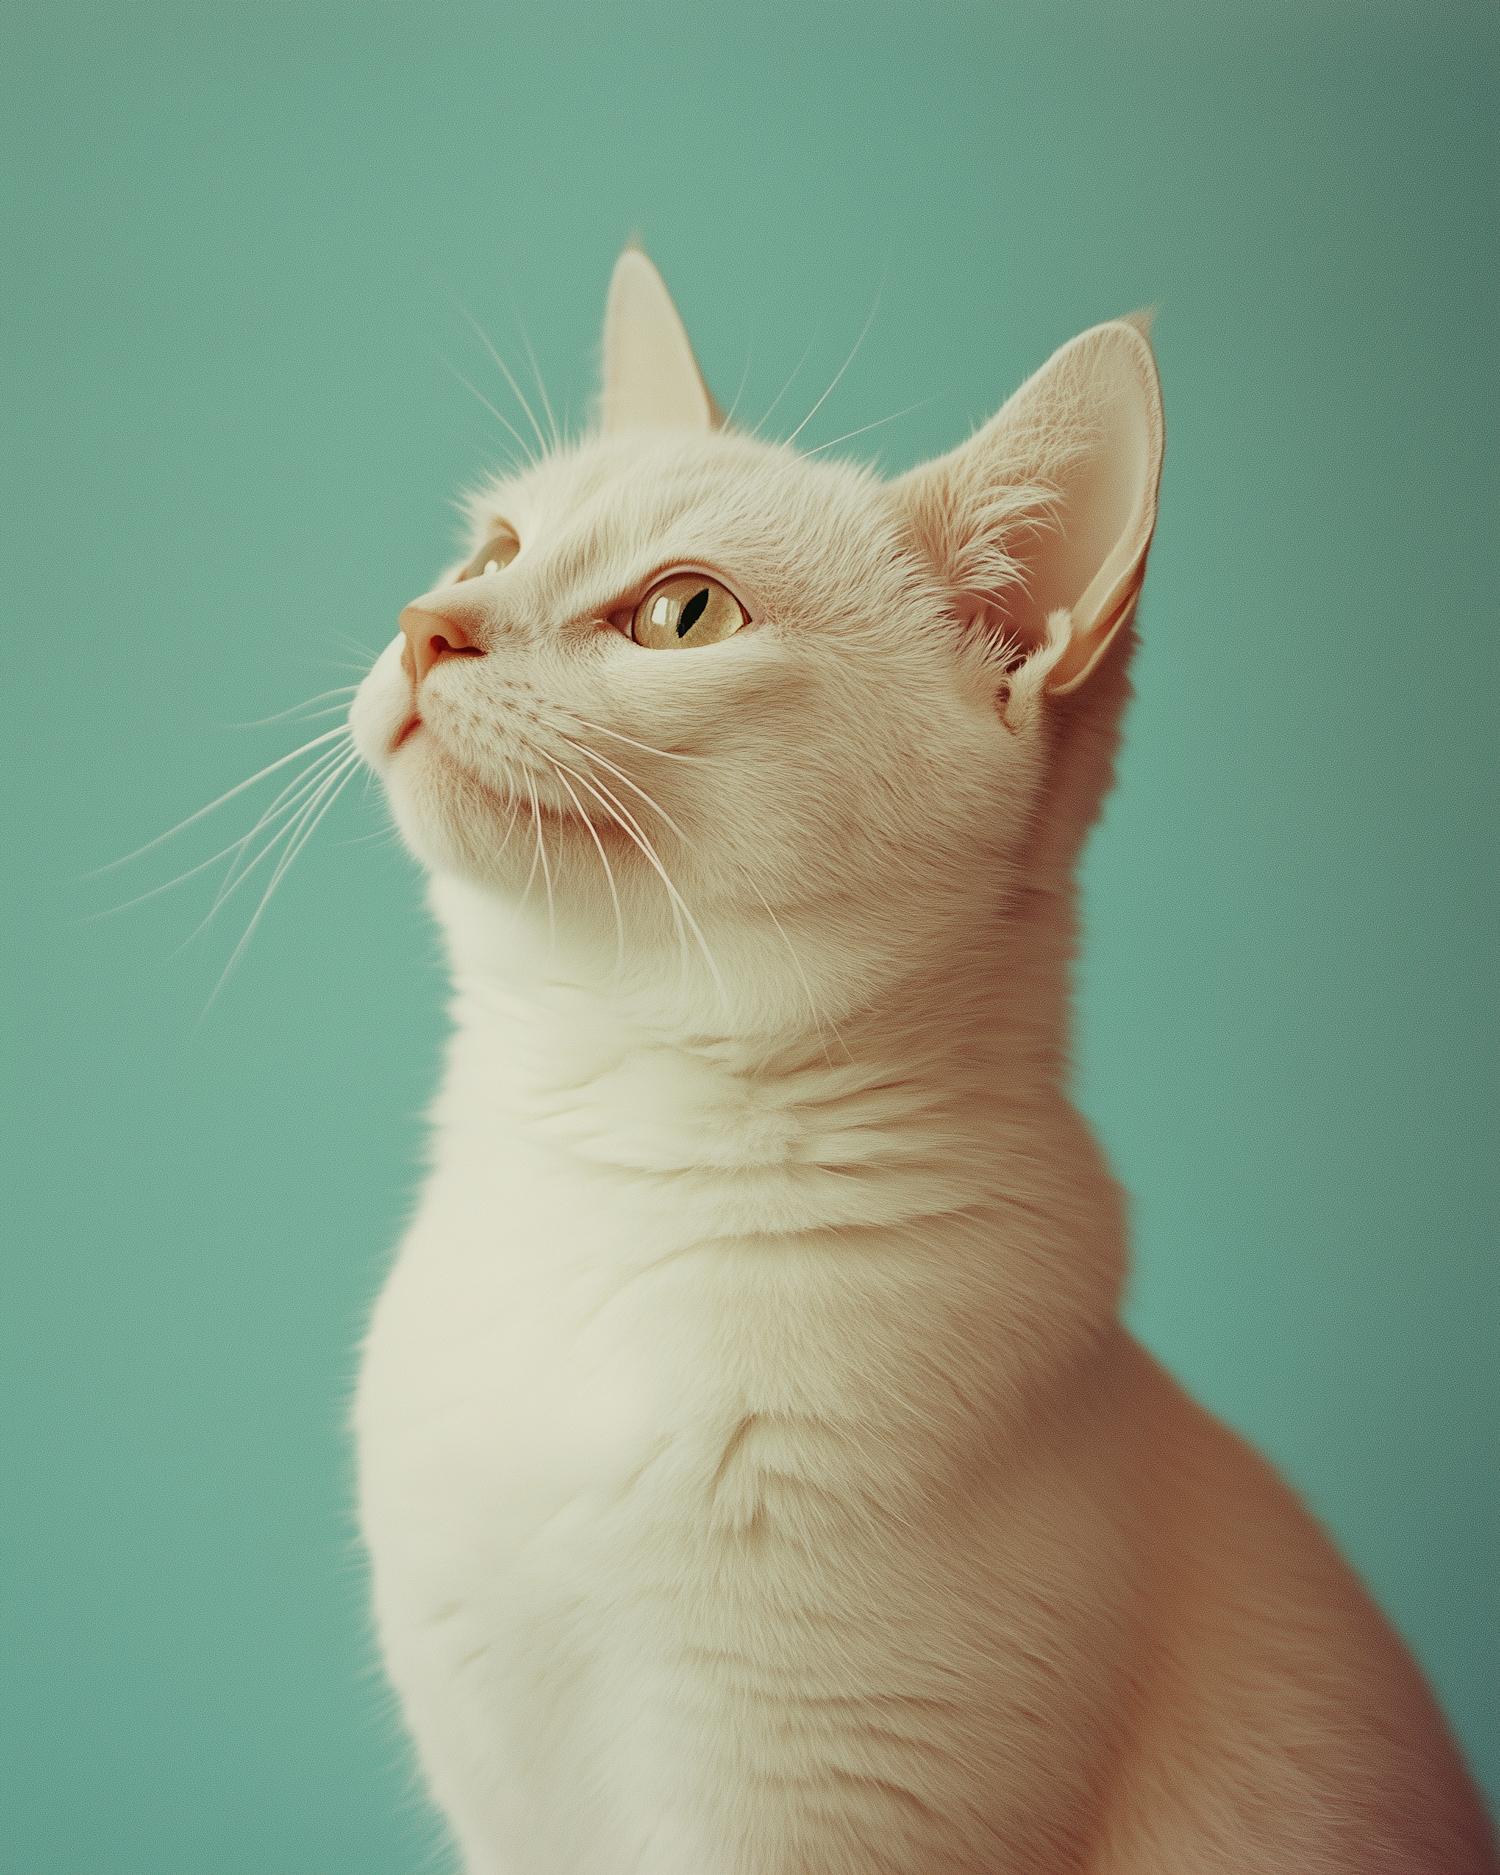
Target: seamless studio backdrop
x=242 y=241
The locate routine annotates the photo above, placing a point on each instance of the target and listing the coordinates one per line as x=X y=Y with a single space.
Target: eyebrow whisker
x=529 y=453
x=849 y=434
x=744 y=379
x=766 y=417
x=537 y=374
x=505 y=369
x=879 y=292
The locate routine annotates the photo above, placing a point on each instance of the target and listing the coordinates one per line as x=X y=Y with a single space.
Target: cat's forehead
x=612 y=502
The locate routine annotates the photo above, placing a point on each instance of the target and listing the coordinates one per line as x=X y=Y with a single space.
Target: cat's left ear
x=1041 y=522
x=651 y=378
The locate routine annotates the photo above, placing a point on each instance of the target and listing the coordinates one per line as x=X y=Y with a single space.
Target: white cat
x=757 y=1476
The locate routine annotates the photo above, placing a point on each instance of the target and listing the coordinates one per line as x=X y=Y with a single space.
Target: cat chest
x=614 y=1383
x=505 y=1397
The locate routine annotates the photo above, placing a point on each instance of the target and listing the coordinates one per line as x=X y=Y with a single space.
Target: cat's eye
x=687 y=610
x=497 y=552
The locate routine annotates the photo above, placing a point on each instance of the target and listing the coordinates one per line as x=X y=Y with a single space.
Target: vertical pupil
x=692 y=612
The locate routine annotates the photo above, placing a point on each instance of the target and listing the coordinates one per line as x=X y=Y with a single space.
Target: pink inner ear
x=1048 y=510
x=1096 y=534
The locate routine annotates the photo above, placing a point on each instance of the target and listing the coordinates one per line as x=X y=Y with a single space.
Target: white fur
x=757 y=1478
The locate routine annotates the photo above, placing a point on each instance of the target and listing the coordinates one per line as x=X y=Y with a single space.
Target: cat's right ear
x=1041 y=522
x=651 y=378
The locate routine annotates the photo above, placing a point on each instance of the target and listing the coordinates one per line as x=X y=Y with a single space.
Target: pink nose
x=431 y=636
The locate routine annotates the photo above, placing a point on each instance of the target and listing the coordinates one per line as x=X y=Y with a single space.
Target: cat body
x=756 y=1475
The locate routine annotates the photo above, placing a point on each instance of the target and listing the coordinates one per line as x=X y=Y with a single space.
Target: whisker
x=515 y=811
x=505 y=369
x=628 y=824
x=593 y=755
x=744 y=380
x=291 y=828
x=535 y=853
x=368 y=839
x=666 y=755
x=280 y=872
x=358 y=644
x=297 y=809
x=766 y=418
x=309 y=782
x=156 y=891
x=842 y=368
x=270 y=769
x=618 y=812
x=525 y=446
x=262 y=722
x=536 y=373
x=318 y=767
x=848 y=434
x=312 y=716
x=541 y=847
x=604 y=861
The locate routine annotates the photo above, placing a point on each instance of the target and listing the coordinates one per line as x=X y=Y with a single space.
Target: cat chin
x=456 y=823
x=451 y=821
x=449 y=818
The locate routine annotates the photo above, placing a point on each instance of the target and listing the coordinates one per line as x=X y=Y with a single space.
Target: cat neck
x=931 y=1125
x=930 y=1060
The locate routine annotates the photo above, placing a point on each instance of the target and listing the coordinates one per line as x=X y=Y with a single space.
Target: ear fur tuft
x=1050 y=508
x=1143 y=318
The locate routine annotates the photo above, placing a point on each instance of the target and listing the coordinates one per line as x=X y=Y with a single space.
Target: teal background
x=237 y=238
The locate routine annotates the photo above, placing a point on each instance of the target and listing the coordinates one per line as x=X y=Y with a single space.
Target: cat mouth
x=407 y=730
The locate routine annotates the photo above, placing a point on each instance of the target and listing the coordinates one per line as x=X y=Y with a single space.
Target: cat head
x=744 y=731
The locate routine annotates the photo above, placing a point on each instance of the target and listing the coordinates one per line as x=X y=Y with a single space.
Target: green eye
x=497 y=552
x=686 y=610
